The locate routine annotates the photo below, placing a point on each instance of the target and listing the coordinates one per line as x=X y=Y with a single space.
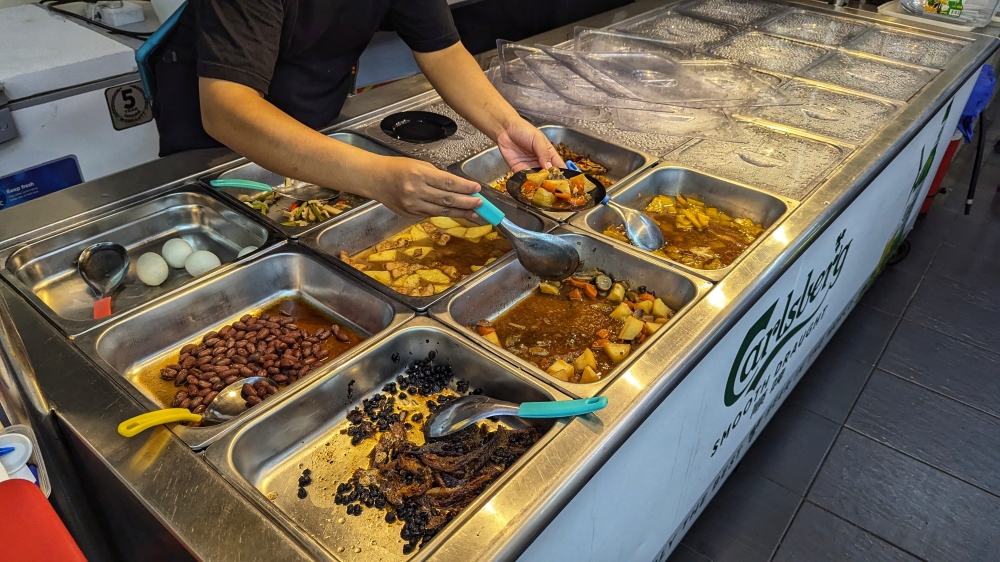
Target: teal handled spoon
x=546 y=255
x=300 y=191
x=467 y=410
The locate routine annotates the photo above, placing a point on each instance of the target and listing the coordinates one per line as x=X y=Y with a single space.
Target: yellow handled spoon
x=228 y=404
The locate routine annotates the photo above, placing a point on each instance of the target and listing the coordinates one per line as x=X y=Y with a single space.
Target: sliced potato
x=538 y=177
x=492 y=338
x=617 y=293
x=492 y=236
x=621 y=313
x=548 y=289
x=652 y=327
x=475 y=240
x=444 y=222
x=585 y=360
x=383 y=277
x=561 y=370
x=438 y=288
x=589 y=375
x=417 y=233
x=419 y=252
x=645 y=306
x=478 y=231
x=457 y=231
x=388 y=255
x=434 y=276
x=632 y=328
x=403 y=236
x=411 y=281
x=489 y=261
x=476 y=268
x=543 y=198
x=660 y=308
x=617 y=352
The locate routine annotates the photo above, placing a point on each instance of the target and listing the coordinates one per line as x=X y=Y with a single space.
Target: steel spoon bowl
x=103 y=267
x=228 y=404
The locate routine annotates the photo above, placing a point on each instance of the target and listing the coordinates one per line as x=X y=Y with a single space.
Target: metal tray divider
x=442 y=312
x=199 y=438
x=219 y=455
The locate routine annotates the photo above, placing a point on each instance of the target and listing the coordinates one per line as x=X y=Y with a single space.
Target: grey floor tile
x=893 y=289
x=745 y=520
x=791 y=448
x=685 y=554
x=981 y=238
x=817 y=535
x=831 y=385
x=907 y=503
x=970 y=270
x=864 y=334
x=944 y=364
x=925 y=240
x=946 y=306
x=932 y=428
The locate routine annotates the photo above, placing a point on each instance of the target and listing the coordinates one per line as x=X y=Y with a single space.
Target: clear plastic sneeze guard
x=907 y=47
x=676 y=29
x=767 y=52
x=815 y=27
x=871 y=76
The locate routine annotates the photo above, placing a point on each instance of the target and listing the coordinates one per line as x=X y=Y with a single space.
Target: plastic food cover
x=540 y=102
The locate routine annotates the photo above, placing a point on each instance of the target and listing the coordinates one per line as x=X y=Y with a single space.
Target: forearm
x=238 y=117
x=460 y=81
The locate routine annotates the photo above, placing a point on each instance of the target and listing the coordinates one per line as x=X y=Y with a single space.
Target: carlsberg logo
x=766 y=338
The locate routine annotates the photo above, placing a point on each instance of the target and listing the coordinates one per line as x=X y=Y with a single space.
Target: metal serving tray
x=45 y=272
x=622 y=162
x=265 y=458
x=670 y=179
x=275 y=216
x=491 y=296
x=132 y=347
x=376 y=223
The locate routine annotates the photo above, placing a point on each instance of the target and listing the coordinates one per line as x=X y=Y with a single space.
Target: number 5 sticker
x=128 y=106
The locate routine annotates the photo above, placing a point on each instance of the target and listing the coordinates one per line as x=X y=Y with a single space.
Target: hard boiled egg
x=175 y=251
x=151 y=269
x=201 y=261
x=246 y=251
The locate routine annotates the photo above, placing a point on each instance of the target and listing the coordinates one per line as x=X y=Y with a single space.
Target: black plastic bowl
x=515 y=182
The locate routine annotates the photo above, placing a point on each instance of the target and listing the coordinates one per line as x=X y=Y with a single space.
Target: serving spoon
x=467 y=410
x=103 y=267
x=546 y=255
x=298 y=190
x=228 y=404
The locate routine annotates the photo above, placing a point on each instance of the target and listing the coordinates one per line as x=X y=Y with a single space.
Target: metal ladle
x=467 y=410
x=298 y=190
x=546 y=255
x=103 y=267
x=228 y=404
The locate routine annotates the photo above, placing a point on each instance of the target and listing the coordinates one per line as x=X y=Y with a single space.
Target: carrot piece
x=590 y=291
x=575 y=295
x=576 y=201
x=642 y=337
x=602 y=333
x=599 y=344
x=294 y=206
x=576 y=283
x=561 y=195
x=483 y=330
x=629 y=304
x=647 y=297
x=548 y=187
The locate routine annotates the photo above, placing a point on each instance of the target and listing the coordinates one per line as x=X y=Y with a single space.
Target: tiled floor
x=889 y=448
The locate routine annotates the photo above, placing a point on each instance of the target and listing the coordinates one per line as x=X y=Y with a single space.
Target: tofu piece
x=435 y=276
x=383 y=277
x=444 y=222
x=418 y=252
x=386 y=256
x=478 y=231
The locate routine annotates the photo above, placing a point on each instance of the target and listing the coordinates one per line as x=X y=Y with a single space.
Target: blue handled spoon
x=467 y=410
x=546 y=255
x=300 y=191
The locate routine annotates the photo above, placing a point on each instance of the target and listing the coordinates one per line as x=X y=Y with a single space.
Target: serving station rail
x=832 y=196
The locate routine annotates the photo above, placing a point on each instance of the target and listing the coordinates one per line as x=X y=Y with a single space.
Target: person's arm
x=457 y=76
x=239 y=117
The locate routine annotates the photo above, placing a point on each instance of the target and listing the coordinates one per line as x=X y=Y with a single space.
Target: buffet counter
x=624 y=483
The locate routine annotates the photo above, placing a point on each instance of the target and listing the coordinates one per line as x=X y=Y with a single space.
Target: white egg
x=246 y=251
x=151 y=269
x=201 y=261
x=175 y=251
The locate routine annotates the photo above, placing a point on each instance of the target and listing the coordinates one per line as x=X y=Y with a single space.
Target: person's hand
x=523 y=146
x=413 y=188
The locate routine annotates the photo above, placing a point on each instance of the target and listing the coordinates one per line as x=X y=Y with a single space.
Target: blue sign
x=38 y=181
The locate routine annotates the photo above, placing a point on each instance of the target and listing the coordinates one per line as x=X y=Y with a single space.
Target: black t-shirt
x=298 y=53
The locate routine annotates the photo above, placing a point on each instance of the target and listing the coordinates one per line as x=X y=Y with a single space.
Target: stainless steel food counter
x=621 y=484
